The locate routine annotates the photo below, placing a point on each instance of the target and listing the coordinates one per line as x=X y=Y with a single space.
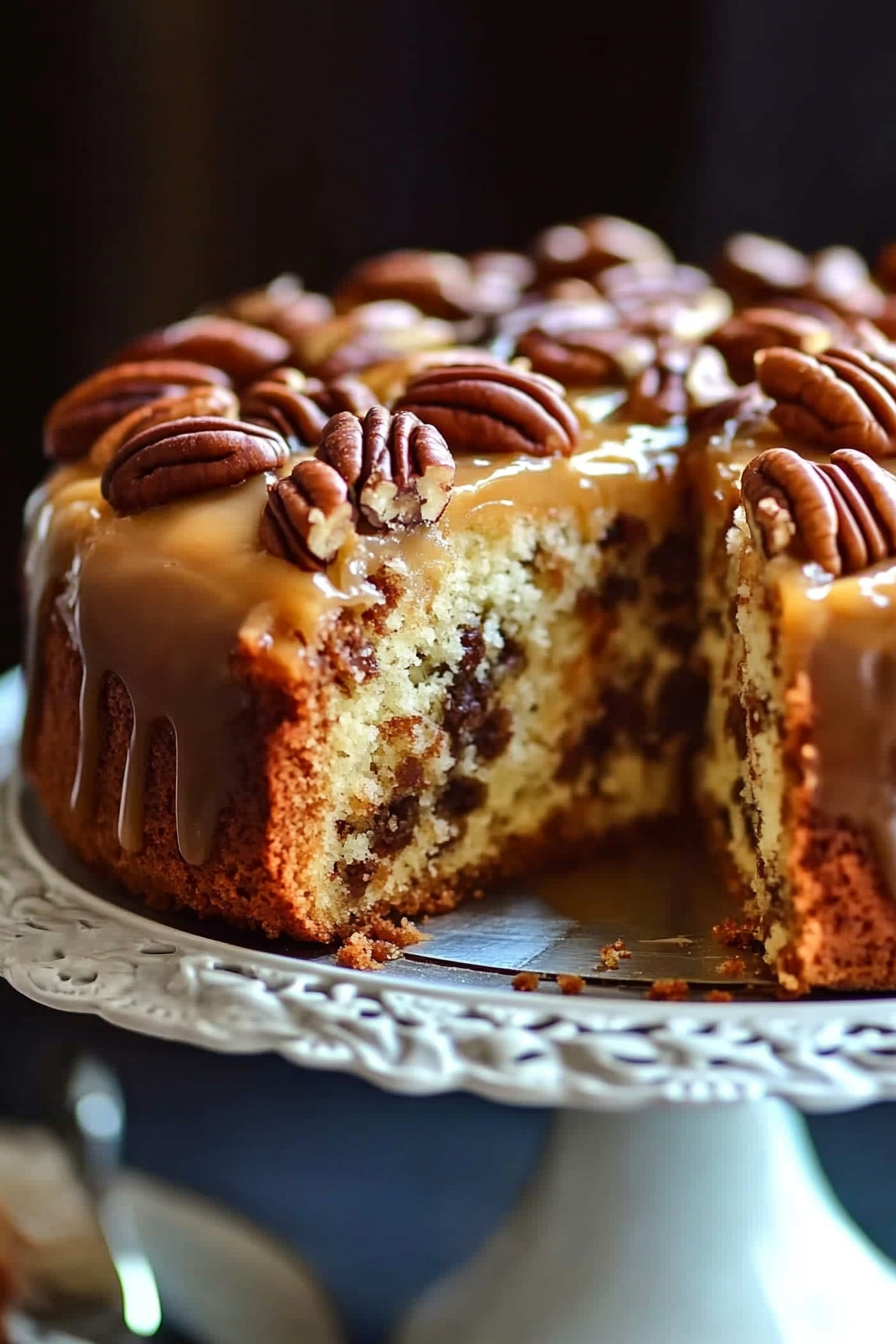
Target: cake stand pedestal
x=678 y=1201
x=677 y=1225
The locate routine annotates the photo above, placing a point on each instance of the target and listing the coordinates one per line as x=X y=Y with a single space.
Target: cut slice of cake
x=799 y=628
x=302 y=747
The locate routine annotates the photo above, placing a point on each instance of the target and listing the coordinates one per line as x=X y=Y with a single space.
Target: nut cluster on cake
x=488 y=354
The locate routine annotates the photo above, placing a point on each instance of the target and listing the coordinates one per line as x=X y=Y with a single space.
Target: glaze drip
x=852 y=669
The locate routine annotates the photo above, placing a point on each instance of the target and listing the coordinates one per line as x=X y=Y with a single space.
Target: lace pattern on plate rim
x=72 y=950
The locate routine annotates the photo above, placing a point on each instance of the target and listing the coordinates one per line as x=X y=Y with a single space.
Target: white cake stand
x=678 y=1201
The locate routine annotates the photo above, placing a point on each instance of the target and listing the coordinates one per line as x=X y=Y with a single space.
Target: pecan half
x=244 y=352
x=753 y=268
x=308 y=516
x=886 y=319
x=790 y=508
x=842 y=398
x=744 y=410
x=202 y=401
x=389 y=379
x=569 y=288
x=187 y=457
x=593 y=245
x=367 y=335
x=487 y=409
x=298 y=407
x=638 y=281
x=439 y=284
x=553 y=315
x=680 y=379
x=841 y=279
x=885 y=268
x=660 y=297
x=498 y=279
x=868 y=337
x=574 y=345
x=280 y=402
x=658 y=396
x=283 y=305
x=77 y=419
x=342 y=394
x=868 y=493
x=841 y=514
x=400 y=470
x=755 y=329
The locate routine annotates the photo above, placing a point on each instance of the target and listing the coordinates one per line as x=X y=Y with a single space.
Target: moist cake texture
x=339 y=616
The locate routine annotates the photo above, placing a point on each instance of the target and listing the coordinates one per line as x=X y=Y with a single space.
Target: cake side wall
x=812 y=881
x=248 y=880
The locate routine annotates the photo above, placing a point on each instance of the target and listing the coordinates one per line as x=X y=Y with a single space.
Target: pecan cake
x=338 y=609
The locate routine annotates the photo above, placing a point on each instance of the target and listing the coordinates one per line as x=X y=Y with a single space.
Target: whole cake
x=339 y=608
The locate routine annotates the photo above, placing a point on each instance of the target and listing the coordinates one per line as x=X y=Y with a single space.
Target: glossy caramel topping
x=164 y=598
x=845 y=632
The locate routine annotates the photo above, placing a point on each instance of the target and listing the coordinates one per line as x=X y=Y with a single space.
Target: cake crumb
x=669 y=991
x=360 y=952
x=404 y=934
x=570 y=984
x=611 y=954
x=719 y=996
x=731 y=933
x=526 y=981
x=733 y=966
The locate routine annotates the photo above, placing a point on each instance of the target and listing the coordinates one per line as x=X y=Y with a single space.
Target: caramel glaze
x=161 y=600
x=842 y=634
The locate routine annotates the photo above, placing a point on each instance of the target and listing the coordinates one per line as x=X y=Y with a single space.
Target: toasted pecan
x=841 y=399
x=283 y=305
x=298 y=407
x=493 y=409
x=580 y=347
x=203 y=401
x=754 y=268
x=372 y=332
x=593 y=245
x=309 y=515
x=439 y=284
x=841 y=514
x=244 y=352
x=885 y=268
x=754 y=329
x=178 y=458
x=399 y=469
x=78 y=418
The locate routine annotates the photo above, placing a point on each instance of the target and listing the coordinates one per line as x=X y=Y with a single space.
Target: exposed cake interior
x=478 y=697
x=540 y=693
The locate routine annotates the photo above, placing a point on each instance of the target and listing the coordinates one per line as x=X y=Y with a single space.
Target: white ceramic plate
x=222 y=1280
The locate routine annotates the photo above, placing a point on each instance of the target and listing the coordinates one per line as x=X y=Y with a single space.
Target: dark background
x=158 y=153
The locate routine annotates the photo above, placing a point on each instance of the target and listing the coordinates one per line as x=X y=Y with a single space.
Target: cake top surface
x=278 y=448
